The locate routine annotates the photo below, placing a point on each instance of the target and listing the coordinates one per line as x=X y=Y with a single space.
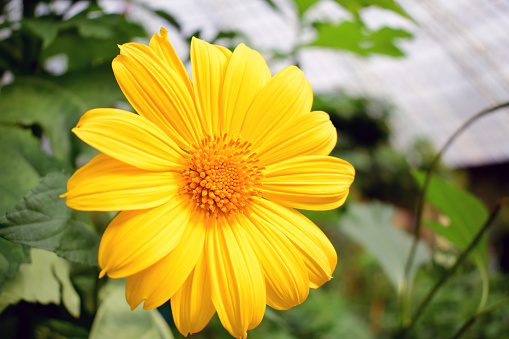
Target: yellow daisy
x=207 y=175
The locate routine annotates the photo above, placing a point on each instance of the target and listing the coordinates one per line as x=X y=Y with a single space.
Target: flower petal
x=129 y=138
x=163 y=48
x=238 y=286
x=192 y=305
x=311 y=134
x=247 y=74
x=158 y=283
x=286 y=96
x=157 y=92
x=315 y=249
x=209 y=68
x=311 y=182
x=107 y=184
x=135 y=240
x=286 y=275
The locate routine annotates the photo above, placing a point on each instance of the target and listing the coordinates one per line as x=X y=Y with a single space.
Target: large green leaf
x=56 y=103
x=356 y=38
x=43 y=220
x=23 y=162
x=114 y=318
x=371 y=225
x=465 y=217
x=45 y=280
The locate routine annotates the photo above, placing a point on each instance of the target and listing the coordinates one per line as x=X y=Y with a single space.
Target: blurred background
x=397 y=78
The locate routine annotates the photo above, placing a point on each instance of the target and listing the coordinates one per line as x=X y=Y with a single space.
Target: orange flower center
x=222 y=176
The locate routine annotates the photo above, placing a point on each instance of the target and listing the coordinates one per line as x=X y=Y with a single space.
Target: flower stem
x=453 y=268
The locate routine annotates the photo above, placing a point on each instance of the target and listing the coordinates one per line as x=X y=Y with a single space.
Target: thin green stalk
x=422 y=197
x=434 y=164
x=477 y=315
x=463 y=255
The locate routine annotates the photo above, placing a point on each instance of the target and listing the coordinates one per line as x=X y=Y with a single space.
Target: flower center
x=222 y=175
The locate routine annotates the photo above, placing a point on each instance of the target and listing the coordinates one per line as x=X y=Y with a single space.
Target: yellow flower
x=207 y=175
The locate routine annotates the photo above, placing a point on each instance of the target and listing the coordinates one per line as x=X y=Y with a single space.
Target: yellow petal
x=163 y=48
x=158 y=283
x=311 y=182
x=192 y=305
x=315 y=249
x=286 y=275
x=157 y=92
x=209 y=68
x=247 y=74
x=107 y=184
x=135 y=240
x=238 y=287
x=129 y=138
x=286 y=96
x=310 y=134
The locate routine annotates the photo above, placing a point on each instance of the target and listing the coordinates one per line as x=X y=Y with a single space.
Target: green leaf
x=11 y=256
x=43 y=220
x=47 y=30
x=465 y=217
x=356 y=38
x=371 y=226
x=24 y=163
x=45 y=280
x=114 y=318
x=355 y=6
x=89 y=42
x=56 y=103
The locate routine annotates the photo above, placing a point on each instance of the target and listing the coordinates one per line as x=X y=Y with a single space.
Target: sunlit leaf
x=43 y=220
x=465 y=215
x=356 y=38
x=114 y=318
x=371 y=225
x=45 y=280
x=354 y=6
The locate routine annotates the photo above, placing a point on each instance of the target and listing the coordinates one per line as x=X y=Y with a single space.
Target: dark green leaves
x=23 y=163
x=56 y=103
x=371 y=225
x=356 y=38
x=43 y=220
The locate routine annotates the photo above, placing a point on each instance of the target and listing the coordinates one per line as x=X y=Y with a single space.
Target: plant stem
x=477 y=315
x=429 y=174
x=459 y=261
x=422 y=197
